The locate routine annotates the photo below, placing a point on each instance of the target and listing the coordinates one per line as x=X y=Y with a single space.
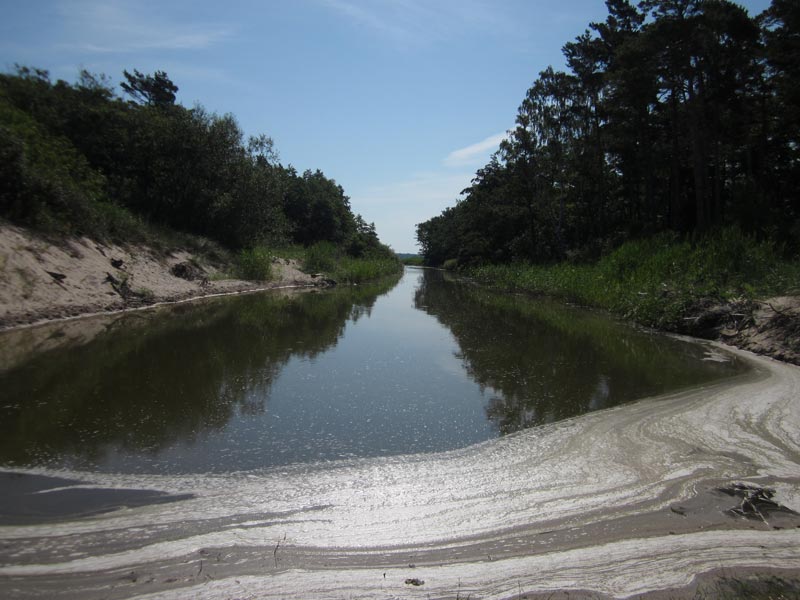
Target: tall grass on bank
x=657 y=281
x=324 y=257
x=254 y=264
x=359 y=270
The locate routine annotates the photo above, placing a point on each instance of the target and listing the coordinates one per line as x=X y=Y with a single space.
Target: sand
x=41 y=281
x=616 y=503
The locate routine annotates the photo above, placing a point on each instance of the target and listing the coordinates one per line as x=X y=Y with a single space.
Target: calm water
x=423 y=365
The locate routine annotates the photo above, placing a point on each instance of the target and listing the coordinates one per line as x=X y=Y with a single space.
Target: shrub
x=359 y=270
x=450 y=264
x=321 y=257
x=255 y=264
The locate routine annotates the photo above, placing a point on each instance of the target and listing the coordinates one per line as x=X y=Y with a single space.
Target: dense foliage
x=674 y=115
x=662 y=281
x=77 y=158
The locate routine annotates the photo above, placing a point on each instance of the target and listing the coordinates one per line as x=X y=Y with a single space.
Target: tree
x=780 y=137
x=150 y=90
x=70 y=151
x=674 y=114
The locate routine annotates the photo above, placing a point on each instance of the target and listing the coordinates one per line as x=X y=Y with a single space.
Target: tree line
x=673 y=115
x=79 y=158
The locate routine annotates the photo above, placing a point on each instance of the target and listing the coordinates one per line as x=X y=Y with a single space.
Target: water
x=428 y=364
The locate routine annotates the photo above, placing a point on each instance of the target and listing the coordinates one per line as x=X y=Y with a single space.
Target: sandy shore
x=644 y=498
x=41 y=281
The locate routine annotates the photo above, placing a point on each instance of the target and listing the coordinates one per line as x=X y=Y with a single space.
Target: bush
x=255 y=264
x=44 y=182
x=325 y=257
x=321 y=257
x=359 y=270
x=450 y=264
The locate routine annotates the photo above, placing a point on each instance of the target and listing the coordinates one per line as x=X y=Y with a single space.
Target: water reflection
x=269 y=380
x=153 y=378
x=545 y=361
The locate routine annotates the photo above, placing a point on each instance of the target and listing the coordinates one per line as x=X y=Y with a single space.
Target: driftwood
x=756 y=502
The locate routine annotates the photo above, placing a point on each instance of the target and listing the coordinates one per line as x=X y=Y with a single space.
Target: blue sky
x=399 y=101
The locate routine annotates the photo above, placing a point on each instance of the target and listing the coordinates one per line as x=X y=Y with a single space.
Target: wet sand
x=631 y=500
x=37 y=499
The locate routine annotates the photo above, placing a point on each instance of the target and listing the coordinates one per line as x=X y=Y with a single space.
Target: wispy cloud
x=474 y=154
x=429 y=190
x=105 y=27
x=399 y=206
x=421 y=22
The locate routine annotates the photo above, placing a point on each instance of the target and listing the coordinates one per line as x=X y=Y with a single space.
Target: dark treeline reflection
x=155 y=378
x=544 y=361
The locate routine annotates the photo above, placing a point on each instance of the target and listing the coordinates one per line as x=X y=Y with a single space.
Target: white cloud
x=105 y=27
x=475 y=154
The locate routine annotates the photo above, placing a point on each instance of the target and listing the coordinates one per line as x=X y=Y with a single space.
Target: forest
x=673 y=117
x=81 y=159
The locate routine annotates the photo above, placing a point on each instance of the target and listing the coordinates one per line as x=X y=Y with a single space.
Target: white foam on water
x=602 y=467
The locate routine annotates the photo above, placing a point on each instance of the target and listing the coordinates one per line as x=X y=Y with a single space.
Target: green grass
x=659 y=280
x=255 y=264
x=322 y=257
x=413 y=261
x=359 y=270
x=325 y=257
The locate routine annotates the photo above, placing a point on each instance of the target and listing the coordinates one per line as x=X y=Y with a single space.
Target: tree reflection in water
x=153 y=378
x=546 y=361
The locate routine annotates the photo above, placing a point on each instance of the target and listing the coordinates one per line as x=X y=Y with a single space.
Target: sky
x=399 y=101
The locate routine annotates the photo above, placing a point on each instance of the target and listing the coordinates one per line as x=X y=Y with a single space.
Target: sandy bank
x=41 y=281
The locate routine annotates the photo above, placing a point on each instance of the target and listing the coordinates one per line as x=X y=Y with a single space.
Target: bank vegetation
x=657 y=174
x=80 y=160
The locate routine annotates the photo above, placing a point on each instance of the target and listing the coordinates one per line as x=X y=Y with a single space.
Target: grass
x=359 y=270
x=657 y=281
x=324 y=257
x=254 y=264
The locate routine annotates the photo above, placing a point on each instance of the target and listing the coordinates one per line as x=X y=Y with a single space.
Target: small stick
x=275 y=552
